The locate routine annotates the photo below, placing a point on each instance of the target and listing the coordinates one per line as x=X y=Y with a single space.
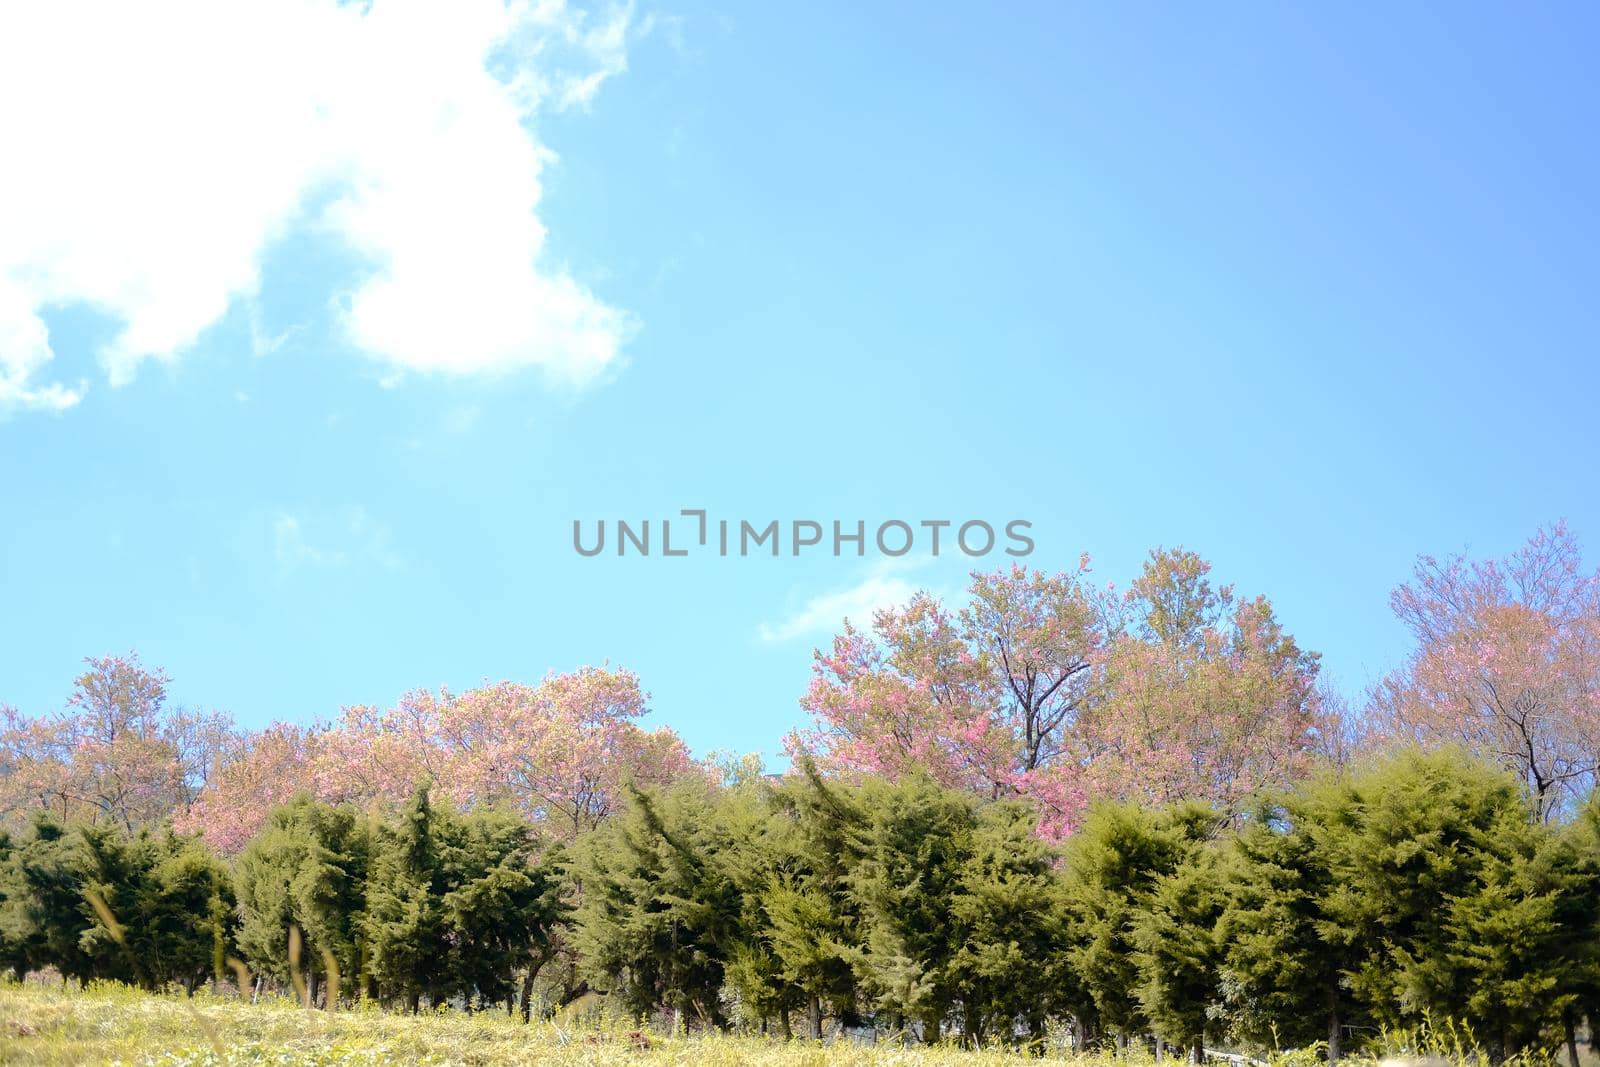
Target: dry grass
x=48 y=1024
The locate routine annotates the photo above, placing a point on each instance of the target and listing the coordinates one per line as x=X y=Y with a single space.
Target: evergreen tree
x=499 y=905
x=1011 y=965
x=804 y=910
x=759 y=989
x=13 y=959
x=1468 y=909
x=44 y=914
x=913 y=847
x=1174 y=933
x=1520 y=946
x=161 y=904
x=307 y=870
x=1582 y=926
x=404 y=923
x=1112 y=867
x=659 y=916
x=1284 y=956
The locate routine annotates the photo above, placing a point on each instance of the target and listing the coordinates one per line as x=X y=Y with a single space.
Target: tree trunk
x=814 y=1017
x=1572 y=1038
x=783 y=1024
x=930 y=1029
x=1335 y=1027
x=525 y=1000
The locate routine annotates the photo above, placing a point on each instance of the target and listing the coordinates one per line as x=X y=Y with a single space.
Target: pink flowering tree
x=1506 y=662
x=560 y=752
x=113 y=753
x=1045 y=687
x=1201 y=696
x=371 y=753
x=985 y=699
x=257 y=772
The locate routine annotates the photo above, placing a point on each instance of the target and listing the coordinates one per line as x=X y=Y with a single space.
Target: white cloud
x=155 y=150
x=462 y=418
x=292 y=551
x=823 y=614
x=353 y=537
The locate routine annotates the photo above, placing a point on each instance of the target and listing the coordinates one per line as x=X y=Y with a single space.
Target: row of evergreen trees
x=1422 y=885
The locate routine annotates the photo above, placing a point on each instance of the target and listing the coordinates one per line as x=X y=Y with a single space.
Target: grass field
x=44 y=1023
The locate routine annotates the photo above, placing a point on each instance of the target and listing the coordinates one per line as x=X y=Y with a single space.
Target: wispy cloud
x=353 y=537
x=291 y=549
x=166 y=145
x=462 y=418
x=823 y=614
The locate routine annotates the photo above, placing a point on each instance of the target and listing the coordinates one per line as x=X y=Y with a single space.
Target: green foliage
x=1011 y=969
x=1451 y=884
x=307 y=869
x=660 y=911
x=422 y=902
x=1176 y=948
x=912 y=849
x=1283 y=954
x=1422 y=886
x=95 y=902
x=44 y=914
x=457 y=904
x=162 y=906
x=804 y=911
x=1420 y=893
x=1114 y=867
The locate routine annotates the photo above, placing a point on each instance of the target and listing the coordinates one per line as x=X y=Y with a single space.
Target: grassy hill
x=44 y=1023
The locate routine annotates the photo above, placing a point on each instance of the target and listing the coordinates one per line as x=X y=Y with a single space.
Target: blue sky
x=1309 y=291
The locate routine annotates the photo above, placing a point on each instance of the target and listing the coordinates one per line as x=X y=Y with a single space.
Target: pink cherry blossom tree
x=255 y=773
x=113 y=753
x=1045 y=687
x=560 y=752
x=986 y=698
x=1201 y=696
x=1506 y=662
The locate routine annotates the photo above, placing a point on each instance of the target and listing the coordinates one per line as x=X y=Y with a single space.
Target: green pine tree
x=307 y=870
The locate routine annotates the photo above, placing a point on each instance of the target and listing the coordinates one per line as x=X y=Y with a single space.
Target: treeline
x=1412 y=887
x=1056 y=688
x=1136 y=815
